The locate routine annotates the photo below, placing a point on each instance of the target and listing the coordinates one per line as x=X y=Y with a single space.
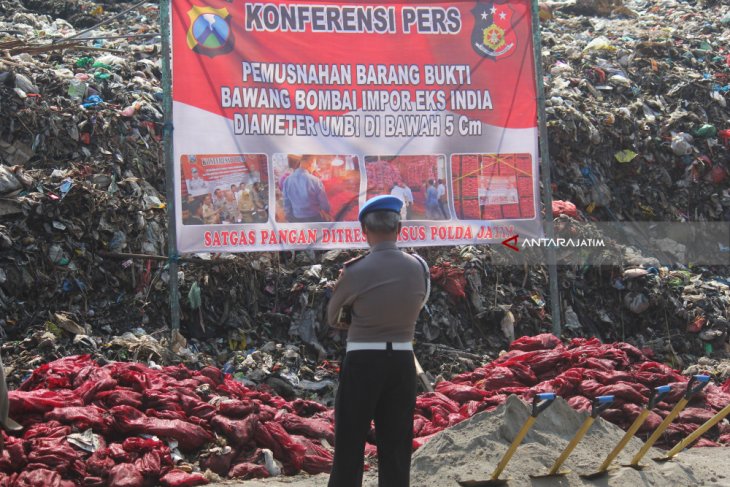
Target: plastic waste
x=600 y=43
x=636 y=302
x=57 y=255
x=8 y=181
x=131 y=109
x=625 y=156
x=84 y=62
x=194 y=296
x=707 y=130
x=77 y=89
x=92 y=101
x=23 y=83
x=682 y=144
x=571 y=320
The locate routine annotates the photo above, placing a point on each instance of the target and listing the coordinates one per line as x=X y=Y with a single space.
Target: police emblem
x=493 y=36
x=210 y=31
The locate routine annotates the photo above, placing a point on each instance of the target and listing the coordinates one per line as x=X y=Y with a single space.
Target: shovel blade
x=548 y=475
x=482 y=483
x=594 y=475
x=635 y=467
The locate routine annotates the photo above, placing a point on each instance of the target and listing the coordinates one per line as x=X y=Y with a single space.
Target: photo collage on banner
x=224 y=189
x=289 y=115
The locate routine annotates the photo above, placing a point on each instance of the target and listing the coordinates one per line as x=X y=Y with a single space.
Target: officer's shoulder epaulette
x=356 y=259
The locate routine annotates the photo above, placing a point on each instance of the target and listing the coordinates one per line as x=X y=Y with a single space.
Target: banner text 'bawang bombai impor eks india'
x=288 y=116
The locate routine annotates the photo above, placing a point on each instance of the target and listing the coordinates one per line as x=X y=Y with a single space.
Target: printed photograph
x=493 y=186
x=316 y=187
x=224 y=188
x=419 y=181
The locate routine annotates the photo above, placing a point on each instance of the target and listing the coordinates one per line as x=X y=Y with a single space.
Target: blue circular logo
x=211 y=31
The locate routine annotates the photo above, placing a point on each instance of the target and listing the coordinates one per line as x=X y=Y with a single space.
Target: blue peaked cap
x=384 y=202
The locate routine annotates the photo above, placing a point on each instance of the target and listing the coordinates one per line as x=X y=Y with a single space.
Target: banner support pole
x=547 y=189
x=172 y=258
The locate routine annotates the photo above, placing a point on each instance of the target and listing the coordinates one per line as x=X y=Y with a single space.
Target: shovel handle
x=541 y=402
x=692 y=389
x=657 y=394
x=422 y=375
x=600 y=404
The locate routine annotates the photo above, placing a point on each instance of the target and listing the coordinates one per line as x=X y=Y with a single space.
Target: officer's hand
x=340 y=326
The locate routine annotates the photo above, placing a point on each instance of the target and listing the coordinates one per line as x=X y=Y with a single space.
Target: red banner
x=289 y=115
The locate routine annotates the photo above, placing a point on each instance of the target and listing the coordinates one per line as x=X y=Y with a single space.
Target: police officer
x=384 y=292
x=305 y=199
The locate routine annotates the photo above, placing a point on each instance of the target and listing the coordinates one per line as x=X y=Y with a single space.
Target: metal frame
x=165 y=33
x=547 y=197
x=547 y=189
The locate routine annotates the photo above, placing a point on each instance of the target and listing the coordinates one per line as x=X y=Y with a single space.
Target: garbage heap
x=637 y=107
x=125 y=423
x=636 y=111
x=80 y=143
x=639 y=130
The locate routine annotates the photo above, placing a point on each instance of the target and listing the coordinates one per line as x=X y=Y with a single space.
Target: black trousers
x=381 y=386
x=444 y=207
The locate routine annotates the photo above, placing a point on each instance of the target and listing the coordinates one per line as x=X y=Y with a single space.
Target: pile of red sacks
x=343 y=200
x=579 y=371
x=137 y=414
x=451 y=278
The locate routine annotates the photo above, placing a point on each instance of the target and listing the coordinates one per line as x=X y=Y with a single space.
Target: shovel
x=539 y=404
x=599 y=405
x=656 y=395
x=425 y=382
x=695 y=434
x=692 y=389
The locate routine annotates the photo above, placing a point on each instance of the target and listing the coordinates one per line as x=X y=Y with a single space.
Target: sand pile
x=471 y=450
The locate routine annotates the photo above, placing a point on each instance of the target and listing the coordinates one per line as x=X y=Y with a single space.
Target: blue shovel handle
x=701 y=380
x=600 y=404
x=657 y=395
x=541 y=402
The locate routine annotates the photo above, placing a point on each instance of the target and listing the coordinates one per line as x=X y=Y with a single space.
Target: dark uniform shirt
x=385 y=290
x=304 y=195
